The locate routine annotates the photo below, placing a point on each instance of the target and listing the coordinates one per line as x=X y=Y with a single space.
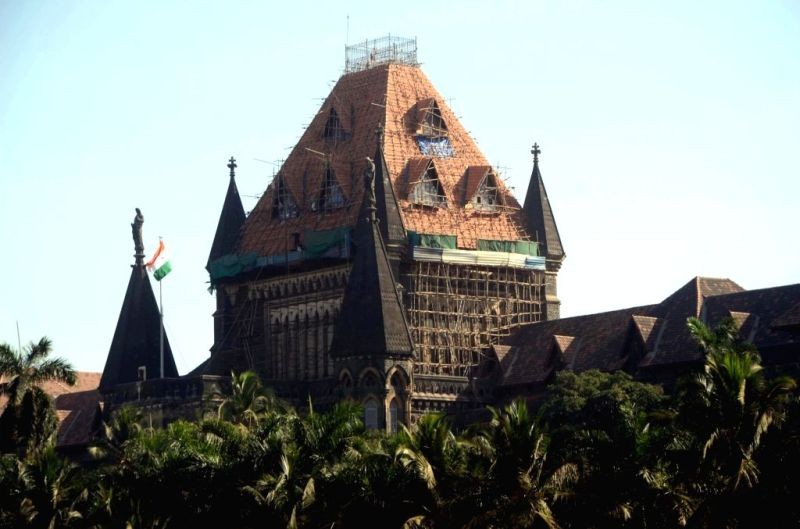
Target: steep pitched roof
x=538 y=214
x=136 y=339
x=372 y=319
x=385 y=95
x=230 y=222
x=600 y=339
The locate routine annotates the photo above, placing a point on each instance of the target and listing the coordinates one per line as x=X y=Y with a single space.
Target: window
x=432 y=136
x=330 y=196
x=283 y=204
x=334 y=132
x=428 y=191
x=371 y=414
x=487 y=198
x=394 y=415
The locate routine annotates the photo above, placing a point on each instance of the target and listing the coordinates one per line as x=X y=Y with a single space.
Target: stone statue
x=369 y=183
x=136 y=228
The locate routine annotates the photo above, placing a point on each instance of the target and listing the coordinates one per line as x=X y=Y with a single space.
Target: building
x=387 y=262
x=314 y=300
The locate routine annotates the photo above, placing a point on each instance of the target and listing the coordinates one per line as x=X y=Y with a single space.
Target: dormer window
x=432 y=134
x=334 y=131
x=481 y=189
x=431 y=123
x=427 y=190
x=283 y=204
x=330 y=196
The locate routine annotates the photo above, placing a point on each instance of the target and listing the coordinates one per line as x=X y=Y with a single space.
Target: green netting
x=523 y=247
x=230 y=265
x=316 y=243
x=432 y=241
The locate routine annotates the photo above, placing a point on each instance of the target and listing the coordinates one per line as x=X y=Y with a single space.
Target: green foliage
x=28 y=421
x=601 y=451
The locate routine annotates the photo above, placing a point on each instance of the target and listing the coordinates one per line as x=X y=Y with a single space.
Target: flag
x=159 y=264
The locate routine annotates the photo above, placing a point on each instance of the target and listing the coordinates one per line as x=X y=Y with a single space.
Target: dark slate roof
x=372 y=319
x=231 y=219
x=136 y=339
x=604 y=341
x=789 y=319
x=390 y=221
x=539 y=219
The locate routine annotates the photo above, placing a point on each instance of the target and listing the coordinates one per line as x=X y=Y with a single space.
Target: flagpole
x=161 y=327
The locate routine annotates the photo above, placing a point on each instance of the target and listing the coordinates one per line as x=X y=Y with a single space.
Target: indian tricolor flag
x=159 y=264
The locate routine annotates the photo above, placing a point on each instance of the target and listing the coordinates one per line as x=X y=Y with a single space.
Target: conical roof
x=372 y=319
x=230 y=222
x=390 y=221
x=538 y=214
x=136 y=339
x=395 y=97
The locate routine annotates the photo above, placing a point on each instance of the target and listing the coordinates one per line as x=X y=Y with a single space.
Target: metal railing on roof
x=384 y=50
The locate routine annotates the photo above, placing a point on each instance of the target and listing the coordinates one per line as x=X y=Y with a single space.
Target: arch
x=397 y=378
x=345 y=378
x=369 y=377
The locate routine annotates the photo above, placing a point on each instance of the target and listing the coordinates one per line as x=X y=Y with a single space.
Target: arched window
x=371 y=414
x=394 y=415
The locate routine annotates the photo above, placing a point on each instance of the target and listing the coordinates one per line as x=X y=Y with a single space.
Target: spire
x=136 y=339
x=372 y=319
x=390 y=221
x=230 y=220
x=538 y=214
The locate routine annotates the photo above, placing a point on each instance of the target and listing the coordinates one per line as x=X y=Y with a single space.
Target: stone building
x=324 y=300
x=388 y=263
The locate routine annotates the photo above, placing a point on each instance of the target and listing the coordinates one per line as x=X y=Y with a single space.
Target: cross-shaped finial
x=536 y=151
x=379 y=132
x=232 y=165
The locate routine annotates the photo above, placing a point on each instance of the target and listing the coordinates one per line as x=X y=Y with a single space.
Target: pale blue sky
x=670 y=134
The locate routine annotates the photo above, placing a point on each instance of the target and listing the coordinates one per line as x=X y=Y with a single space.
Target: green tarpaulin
x=426 y=240
x=230 y=265
x=523 y=247
x=316 y=243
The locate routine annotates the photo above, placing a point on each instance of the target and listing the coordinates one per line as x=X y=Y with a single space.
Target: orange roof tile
x=391 y=96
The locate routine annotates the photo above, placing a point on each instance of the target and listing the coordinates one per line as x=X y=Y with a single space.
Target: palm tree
x=28 y=419
x=728 y=407
x=248 y=400
x=518 y=491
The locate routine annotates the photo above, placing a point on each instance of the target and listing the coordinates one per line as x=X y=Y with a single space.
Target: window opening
x=330 y=197
x=428 y=191
x=334 y=132
x=371 y=414
x=394 y=416
x=283 y=205
x=487 y=198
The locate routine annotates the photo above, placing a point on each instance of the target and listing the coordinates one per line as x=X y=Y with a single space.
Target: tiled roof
x=386 y=95
x=602 y=341
x=789 y=319
x=75 y=406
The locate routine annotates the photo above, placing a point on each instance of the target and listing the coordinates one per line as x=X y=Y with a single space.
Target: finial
x=138 y=245
x=536 y=151
x=232 y=165
x=369 y=188
x=379 y=132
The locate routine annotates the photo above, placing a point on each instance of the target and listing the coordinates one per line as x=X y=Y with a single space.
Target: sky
x=669 y=133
